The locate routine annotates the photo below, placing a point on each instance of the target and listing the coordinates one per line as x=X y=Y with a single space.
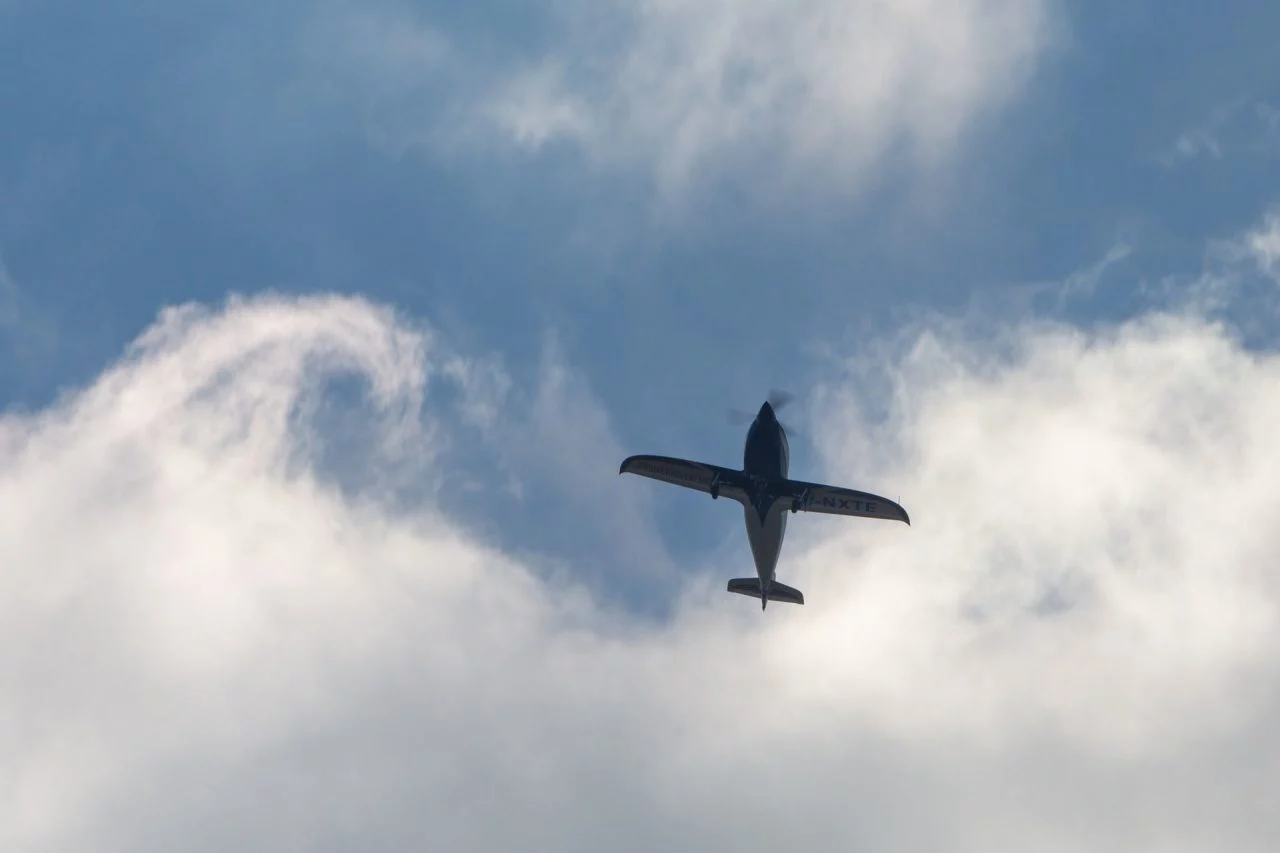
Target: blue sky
x=225 y=148
x=602 y=225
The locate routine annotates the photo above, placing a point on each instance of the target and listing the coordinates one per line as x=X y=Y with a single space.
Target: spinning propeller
x=777 y=399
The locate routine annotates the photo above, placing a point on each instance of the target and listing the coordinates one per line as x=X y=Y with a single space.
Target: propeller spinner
x=777 y=400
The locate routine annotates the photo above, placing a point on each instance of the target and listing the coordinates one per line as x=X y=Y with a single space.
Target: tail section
x=776 y=591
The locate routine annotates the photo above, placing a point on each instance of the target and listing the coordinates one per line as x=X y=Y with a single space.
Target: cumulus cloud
x=681 y=89
x=207 y=643
x=1092 y=484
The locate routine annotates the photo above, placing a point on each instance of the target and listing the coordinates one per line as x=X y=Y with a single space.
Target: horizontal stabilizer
x=777 y=591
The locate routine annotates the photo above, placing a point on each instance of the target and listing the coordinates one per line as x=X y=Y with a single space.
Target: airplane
x=766 y=494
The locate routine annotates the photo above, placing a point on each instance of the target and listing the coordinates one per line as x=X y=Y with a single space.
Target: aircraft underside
x=765 y=535
x=767 y=495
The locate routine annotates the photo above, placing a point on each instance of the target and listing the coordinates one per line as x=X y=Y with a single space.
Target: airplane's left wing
x=698 y=476
x=834 y=500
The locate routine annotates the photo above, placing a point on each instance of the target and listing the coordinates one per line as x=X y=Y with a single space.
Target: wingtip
x=906 y=519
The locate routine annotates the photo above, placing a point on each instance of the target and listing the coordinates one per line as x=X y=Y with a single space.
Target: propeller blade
x=777 y=399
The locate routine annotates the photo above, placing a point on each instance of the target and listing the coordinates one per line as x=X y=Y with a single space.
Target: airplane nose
x=766 y=411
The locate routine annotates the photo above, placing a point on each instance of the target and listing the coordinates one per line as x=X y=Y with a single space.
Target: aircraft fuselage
x=766 y=457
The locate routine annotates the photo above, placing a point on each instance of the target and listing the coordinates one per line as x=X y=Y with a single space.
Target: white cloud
x=1121 y=479
x=1075 y=646
x=684 y=89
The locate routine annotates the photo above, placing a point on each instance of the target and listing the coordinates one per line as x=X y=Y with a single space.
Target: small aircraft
x=766 y=494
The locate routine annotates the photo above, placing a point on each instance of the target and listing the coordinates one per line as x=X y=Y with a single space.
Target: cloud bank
x=209 y=642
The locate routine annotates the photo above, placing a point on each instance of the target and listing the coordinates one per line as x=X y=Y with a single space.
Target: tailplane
x=777 y=591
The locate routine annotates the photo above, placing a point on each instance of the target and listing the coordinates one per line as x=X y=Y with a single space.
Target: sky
x=324 y=327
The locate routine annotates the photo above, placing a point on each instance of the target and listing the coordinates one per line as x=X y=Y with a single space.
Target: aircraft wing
x=833 y=500
x=692 y=475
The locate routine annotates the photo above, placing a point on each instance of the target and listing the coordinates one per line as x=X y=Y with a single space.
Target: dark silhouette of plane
x=766 y=495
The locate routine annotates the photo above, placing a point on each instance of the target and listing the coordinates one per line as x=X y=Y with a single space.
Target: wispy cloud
x=556 y=457
x=1235 y=285
x=1243 y=125
x=829 y=88
x=1000 y=303
x=1238 y=282
x=205 y=643
x=823 y=93
x=1263 y=244
x=8 y=298
x=28 y=334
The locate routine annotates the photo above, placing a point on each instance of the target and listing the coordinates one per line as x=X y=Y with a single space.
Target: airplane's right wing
x=698 y=476
x=834 y=500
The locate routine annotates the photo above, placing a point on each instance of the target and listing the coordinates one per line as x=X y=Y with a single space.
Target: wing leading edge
x=698 y=476
x=834 y=500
